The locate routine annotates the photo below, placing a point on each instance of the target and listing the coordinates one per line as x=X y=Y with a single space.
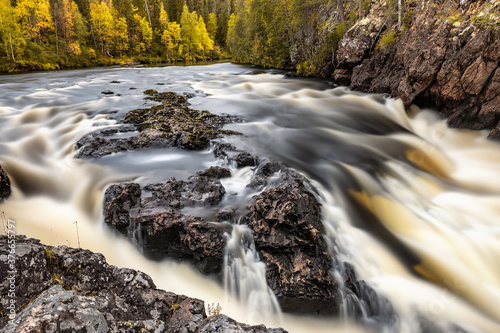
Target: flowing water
x=412 y=204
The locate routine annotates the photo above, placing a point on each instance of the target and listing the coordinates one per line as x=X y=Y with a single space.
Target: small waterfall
x=245 y=277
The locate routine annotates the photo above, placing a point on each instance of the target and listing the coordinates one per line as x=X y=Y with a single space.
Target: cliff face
x=444 y=56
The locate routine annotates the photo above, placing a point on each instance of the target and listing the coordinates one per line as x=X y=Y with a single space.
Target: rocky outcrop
x=170 y=124
x=62 y=289
x=4 y=185
x=447 y=63
x=285 y=220
x=158 y=226
x=288 y=234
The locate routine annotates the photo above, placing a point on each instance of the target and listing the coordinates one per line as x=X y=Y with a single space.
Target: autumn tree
x=190 y=33
x=212 y=25
x=10 y=31
x=35 y=18
x=143 y=33
x=102 y=24
x=120 y=35
x=206 y=43
x=171 y=38
x=66 y=20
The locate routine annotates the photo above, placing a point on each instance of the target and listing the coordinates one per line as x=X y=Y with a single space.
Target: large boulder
x=62 y=289
x=4 y=185
x=288 y=235
x=157 y=225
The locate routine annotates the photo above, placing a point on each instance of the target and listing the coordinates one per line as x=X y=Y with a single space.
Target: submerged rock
x=171 y=124
x=5 y=189
x=62 y=289
x=232 y=154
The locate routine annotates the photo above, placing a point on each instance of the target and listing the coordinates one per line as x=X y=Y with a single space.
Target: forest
x=288 y=34
x=53 y=34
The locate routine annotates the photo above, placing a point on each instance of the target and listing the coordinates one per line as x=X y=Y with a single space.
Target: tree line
x=298 y=34
x=46 y=34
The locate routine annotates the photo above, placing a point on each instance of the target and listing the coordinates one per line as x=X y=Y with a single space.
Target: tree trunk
x=360 y=9
x=149 y=15
x=340 y=5
x=399 y=14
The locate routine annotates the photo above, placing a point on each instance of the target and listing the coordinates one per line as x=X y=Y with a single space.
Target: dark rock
x=107 y=92
x=170 y=234
x=226 y=214
x=453 y=68
x=197 y=191
x=119 y=199
x=132 y=88
x=375 y=306
x=232 y=154
x=159 y=228
x=244 y=159
x=62 y=289
x=215 y=172
x=5 y=189
x=150 y=92
x=115 y=82
x=288 y=234
x=171 y=124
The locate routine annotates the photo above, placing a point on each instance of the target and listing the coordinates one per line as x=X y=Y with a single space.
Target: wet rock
x=119 y=199
x=288 y=234
x=158 y=226
x=367 y=303
x=227 y=214
x=185 y=238
x=232 y=154
x=215 y=172
x=62 y=289
x=5 y=189
x=197 y=191
x=115 y=82
x=171 y=124
x=107 y=92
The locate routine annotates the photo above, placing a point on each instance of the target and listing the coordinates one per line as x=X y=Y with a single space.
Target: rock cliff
x=444 y=56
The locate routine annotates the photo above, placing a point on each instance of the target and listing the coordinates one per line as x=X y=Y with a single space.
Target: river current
x=411 y=203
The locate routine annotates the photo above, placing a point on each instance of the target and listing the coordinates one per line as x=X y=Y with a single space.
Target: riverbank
x=444 y=56
x=59 y=289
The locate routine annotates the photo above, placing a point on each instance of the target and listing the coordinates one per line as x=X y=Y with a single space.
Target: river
x=413 y=204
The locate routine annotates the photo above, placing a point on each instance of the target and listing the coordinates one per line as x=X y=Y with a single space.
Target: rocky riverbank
x=63 y=289
x=445 y=56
